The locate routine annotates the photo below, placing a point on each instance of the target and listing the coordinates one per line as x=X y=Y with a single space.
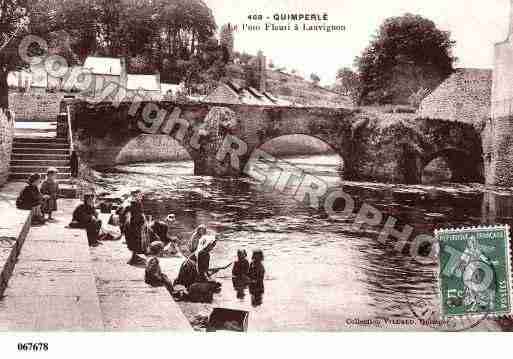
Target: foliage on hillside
x=407 y=53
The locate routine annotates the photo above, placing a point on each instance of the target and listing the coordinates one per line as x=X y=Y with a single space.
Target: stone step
x=32 y=120
x=39 y=162
x=40 y=157
x=47 y=145
x=39 y=150
x=33 y=134
x=41 y=139
x=38 y=169
x=23 y=176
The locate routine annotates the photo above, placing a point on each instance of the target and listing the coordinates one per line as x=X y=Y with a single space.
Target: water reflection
x=320 y=271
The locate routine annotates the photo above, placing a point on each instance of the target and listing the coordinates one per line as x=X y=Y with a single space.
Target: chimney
x=157 y=79
x=123 y=78
x=262 y=70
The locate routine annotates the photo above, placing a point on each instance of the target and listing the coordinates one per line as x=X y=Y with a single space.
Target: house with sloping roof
x=99 y=65
x=104 y=72
x=233 y=93
x=171 y=89
x=465 y=96
x=146 y=86
x=19 y=79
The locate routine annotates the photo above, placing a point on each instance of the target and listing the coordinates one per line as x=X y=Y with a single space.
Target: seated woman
x=196 y=267
x=31 y=198
x=85 y=216
x=162 y=229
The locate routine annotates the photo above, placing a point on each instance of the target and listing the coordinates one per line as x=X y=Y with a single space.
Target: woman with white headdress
x=198 y=233
x=196 y=267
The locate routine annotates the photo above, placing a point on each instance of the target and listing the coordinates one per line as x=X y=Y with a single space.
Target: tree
x=13 y=23
x=227 y=41
x=315 y=79
x=251 y=74
x=79 y=19
x=348 y=83
x=407 y=53
x=175 y=37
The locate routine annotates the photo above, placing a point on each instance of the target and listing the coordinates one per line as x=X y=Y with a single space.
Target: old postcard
x=255 y=166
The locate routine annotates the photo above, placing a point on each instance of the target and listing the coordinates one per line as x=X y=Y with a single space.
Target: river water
x=322 y=273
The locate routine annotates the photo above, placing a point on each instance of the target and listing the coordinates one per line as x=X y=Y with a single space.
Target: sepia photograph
x=199 y=166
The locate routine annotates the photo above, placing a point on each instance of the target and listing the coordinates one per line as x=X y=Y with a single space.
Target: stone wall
x=35 y=106
x=465 y=96
x=6 y=138
x=498 y=131
x=144 y=95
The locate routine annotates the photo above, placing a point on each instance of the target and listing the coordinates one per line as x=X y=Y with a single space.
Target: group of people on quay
x=40 y=196
x=195 y=280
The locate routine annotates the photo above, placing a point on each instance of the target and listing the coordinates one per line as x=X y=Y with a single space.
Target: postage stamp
x=475 y=271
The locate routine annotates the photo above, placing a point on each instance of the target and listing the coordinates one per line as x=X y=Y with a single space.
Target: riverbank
x=52 y=279
x=63 y=284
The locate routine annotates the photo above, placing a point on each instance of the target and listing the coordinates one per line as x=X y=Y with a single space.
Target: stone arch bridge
x=221 y=138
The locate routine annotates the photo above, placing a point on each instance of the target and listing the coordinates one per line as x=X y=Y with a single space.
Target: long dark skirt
x=136 y=240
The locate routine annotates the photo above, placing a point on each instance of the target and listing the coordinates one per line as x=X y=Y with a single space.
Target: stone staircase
x=34 y=150
x=35 y=155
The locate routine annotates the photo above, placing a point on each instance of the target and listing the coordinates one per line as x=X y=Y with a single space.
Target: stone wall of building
x=497 y=134
x=35 y=106
x=6 y=137
x=465 y=96
x=143 y=95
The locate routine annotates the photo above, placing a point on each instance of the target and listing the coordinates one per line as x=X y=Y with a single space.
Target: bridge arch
x=300 y=144
x=452 y=164
x=152 y=148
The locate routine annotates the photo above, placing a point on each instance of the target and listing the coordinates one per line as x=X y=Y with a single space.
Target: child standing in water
x=241 y=266
x=50 y=190
x=256 y=275
x=256 y=268
x=240 y=273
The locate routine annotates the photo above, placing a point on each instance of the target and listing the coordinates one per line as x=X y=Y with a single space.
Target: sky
x=475 y=25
